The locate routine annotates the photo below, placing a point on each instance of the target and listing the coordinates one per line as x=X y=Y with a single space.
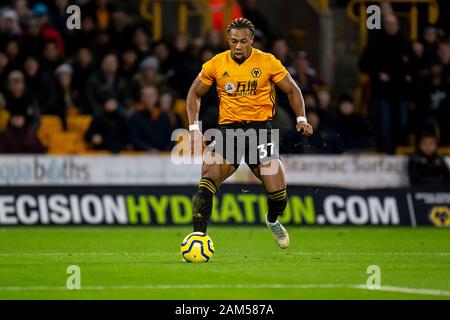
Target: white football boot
x=280 y=234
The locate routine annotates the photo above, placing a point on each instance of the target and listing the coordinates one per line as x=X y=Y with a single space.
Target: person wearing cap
x=148 y=75
x=41 y=13
x=62 y=97
x=9 y=26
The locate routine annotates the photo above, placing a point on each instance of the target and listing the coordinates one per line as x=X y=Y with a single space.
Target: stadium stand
x=66 y=78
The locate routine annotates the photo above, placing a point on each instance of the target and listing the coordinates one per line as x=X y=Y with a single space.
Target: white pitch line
x=428 y=292
x=372 y=253
x=417 y=291
x=19 y=254
x=12 y=254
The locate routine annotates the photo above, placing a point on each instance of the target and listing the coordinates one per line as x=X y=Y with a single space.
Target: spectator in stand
x=163 y=54
x=214 y=41
x=251 y=12
x=83 y=69
x=4 y=70
x=58 y=15
x=37 y=81
x=108 y=131
x=434 y=102
x=85 y=38
x=186 y=66
x=48 y=33
x=324 y=105
x=63 y=96
x=23 y=11
x=218 y=10
x=9 y=27
x=100 y=11
x=32 y=40
x=305 y=76
x=353 y=130
x=15 y=57
x=148 y=76
x=18 y=98
x=20 y=136
x=430 y=45
x=51 y=57
x=167 y=104
x=128 y=66
x=426 y=167
x=149 y=127
x=280 y=49
x=444 y=58
x=120 y=30
x=106 y=84
x=386 y=59
x=141 y=42
x=323 y=140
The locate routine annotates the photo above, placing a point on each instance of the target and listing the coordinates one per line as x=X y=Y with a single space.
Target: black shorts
x=256 y=142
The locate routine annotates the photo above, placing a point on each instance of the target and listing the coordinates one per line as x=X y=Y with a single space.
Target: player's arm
x=197 y=90
x=288 y=86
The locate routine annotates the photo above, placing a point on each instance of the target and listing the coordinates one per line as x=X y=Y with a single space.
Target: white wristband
x=193 y=127
x=302 y=119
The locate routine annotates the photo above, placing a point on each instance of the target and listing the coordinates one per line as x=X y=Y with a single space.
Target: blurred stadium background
x=86 y=121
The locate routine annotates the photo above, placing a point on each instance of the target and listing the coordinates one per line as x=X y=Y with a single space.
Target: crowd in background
x=112 y=70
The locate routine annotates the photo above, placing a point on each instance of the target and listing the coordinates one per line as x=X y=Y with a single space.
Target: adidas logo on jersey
x=225 y=74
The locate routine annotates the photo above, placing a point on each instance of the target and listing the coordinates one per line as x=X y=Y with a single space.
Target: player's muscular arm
x=288 y=86
x=197 y=90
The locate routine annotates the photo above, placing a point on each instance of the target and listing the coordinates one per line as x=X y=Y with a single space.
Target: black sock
x=203 y=204
x=277 y=202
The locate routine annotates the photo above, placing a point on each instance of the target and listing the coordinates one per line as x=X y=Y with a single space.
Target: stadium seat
x=48 y=126
x=444 y=150
x=4 y=118
x=79 y=123
x=71 y=142
x=404 y=150
x=180 y=109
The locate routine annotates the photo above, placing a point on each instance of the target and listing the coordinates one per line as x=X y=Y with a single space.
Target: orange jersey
x=246 y=91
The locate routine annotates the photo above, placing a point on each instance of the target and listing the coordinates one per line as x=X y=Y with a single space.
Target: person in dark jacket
x=105 y=84
x=426 y=167
x=385 y=59
x=108 y=131
x=18 y=98
x=149 y=127
x=63 y=94
x=353 y=130
x=20 y=136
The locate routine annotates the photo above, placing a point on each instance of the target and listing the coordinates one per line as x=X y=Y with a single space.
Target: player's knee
x=277 y=201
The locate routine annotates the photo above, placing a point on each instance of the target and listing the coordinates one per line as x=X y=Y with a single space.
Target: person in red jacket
x=49 y=33
x=223 y=12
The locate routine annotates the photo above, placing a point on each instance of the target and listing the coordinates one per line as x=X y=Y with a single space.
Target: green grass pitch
x=145 y=263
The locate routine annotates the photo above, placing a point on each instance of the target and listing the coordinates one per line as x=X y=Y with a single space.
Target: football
x=197 y=247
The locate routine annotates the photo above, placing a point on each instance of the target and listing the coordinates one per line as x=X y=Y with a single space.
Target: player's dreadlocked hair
x=241 y=23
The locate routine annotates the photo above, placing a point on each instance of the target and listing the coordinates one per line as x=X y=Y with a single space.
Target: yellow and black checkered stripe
x=208 y=184
x=278 y=195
